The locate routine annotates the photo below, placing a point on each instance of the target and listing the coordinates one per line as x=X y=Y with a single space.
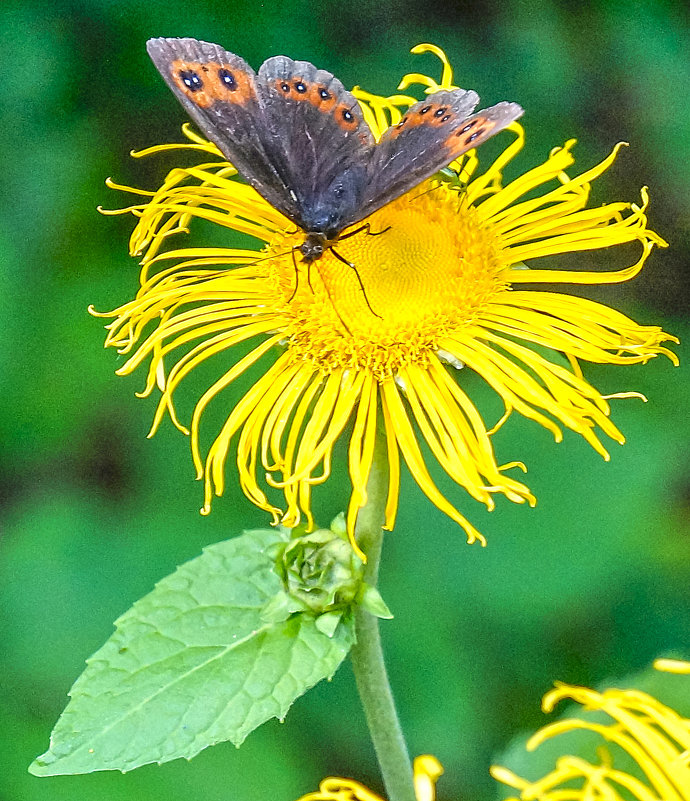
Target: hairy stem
x=367 y=655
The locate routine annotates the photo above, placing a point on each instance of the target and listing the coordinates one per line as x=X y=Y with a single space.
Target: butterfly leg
x=294 y=264
x=359 y=278
x=355 y=232
x=309 y=283
x=377 y=233
x=366 y=227
x=335 y=308
x=309 y=276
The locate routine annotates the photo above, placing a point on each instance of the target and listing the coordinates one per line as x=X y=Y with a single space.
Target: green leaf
x=193 y=664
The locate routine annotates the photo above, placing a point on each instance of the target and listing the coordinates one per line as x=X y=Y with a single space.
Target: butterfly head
x=314 y=246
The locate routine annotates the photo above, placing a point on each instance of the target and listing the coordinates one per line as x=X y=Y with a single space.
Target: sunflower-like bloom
x=346 y=352
x=653 y=736
x=427 y=770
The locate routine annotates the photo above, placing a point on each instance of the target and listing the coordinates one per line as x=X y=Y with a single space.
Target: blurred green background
x=592 y=584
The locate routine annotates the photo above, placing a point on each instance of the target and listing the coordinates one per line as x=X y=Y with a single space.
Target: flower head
x=437 y=287
x=653 y=736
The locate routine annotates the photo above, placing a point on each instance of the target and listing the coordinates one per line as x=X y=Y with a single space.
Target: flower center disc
x=423 y=267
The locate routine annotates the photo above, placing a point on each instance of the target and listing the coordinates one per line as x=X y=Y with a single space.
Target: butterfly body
x=299 y=138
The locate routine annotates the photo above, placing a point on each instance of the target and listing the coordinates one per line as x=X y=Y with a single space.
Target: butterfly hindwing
x=219 y=92
x=431 y=134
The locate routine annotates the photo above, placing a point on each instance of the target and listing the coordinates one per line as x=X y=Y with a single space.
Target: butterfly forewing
x=431 y=134
x=219 y=92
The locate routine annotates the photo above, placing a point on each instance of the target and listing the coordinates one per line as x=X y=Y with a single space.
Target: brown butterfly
x=299 y=138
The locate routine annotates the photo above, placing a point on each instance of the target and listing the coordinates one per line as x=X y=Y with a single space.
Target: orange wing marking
x=433 y=114
x=345 y=118
x=471 y=135
x=206 y=83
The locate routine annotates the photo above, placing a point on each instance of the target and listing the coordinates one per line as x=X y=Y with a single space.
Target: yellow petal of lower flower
x=333 y=789
x=427 y=771
x=654 y=736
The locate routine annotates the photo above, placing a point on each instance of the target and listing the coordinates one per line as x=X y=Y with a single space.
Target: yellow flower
x=427 y=770
x=643 y=730
x=345 y=352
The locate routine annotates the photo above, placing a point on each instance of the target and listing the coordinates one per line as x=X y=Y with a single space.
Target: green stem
x=367 y=655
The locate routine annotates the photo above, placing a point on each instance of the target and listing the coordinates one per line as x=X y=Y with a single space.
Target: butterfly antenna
x=272 y=256
x=294 y=262
x=359 y=279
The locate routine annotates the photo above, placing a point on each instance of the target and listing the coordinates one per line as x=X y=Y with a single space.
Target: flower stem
x=367 y=655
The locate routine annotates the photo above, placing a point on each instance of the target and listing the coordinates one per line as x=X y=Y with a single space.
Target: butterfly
x=297 y=136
